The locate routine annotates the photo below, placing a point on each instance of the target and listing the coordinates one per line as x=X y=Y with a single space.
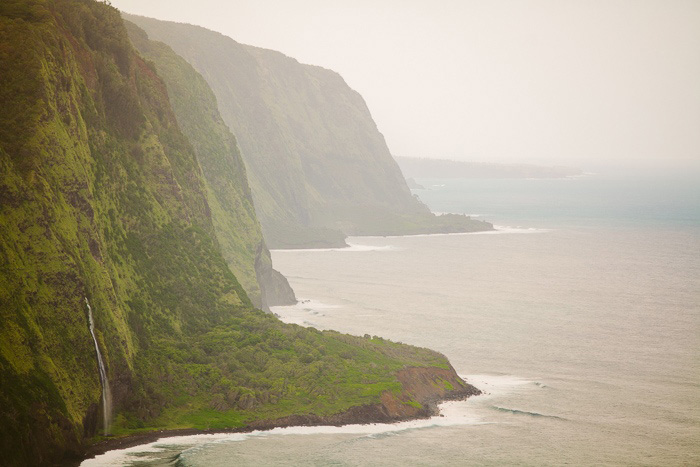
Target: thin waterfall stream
x=106 y=394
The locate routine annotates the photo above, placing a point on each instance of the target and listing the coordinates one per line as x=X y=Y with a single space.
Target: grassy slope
x=316 y=160
x=230 y=200
x=101 y=196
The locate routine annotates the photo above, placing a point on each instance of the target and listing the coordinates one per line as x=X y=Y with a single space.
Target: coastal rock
x=413 y=184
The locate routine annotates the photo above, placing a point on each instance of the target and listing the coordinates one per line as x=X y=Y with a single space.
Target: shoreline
x=497 y=230
x=418 y=384
x=352 y=247
x=359 y=248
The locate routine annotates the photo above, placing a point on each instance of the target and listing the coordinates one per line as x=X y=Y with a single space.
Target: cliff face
x=318 y=166
x=102 y=197
x=236 y=225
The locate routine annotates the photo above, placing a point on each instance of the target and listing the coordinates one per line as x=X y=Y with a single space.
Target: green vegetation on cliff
x=230 y=200
x=102 y=196
x=319 y=168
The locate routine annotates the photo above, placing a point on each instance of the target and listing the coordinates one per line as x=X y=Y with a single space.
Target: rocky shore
x=423 y=389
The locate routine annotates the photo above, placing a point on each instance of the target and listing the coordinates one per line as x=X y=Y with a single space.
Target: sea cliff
x=319 y=168
x=230 y=200
x=104 y=201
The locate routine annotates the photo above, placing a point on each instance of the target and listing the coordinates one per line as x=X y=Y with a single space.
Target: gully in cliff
x=106 y=394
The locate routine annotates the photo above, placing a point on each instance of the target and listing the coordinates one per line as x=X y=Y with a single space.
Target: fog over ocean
x=580 y=321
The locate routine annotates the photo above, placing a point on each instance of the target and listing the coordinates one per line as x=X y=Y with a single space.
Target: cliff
x=319 y=168
x=236 y=225
x=102 y=198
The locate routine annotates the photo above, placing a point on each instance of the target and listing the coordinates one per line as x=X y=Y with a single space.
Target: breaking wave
x=524 y=412
x=351 y=248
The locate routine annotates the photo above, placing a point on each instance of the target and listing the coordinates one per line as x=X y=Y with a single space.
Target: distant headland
x=415 y=167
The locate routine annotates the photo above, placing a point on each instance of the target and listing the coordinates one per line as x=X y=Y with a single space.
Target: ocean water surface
x=579 y=319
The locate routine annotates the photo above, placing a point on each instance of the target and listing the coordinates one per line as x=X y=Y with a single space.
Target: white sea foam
x=302 y=312
x=356 y=247
x=351 y=248
x=452 y=413
x=498 y=385
x=505 y=229
x=442 y=213
x=500 y=229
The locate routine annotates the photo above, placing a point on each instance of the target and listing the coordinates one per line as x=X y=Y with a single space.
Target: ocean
x=579 y=318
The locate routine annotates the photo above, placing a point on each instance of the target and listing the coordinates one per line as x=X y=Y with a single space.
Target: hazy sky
x=586 y=83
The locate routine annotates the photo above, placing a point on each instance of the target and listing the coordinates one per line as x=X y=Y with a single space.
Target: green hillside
x=230 y=200
x=102 y=198
x=319 y=168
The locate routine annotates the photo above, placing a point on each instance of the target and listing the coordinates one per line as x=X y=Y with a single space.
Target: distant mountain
x=443 y=168
x=318 y=167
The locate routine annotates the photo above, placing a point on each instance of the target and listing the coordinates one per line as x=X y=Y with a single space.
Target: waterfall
x=106 y=394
